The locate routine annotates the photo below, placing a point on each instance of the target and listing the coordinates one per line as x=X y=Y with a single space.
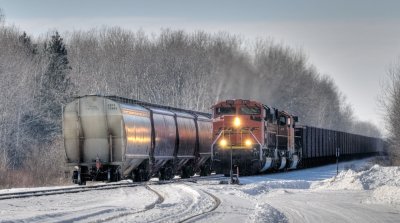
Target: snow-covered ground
x=362 y=192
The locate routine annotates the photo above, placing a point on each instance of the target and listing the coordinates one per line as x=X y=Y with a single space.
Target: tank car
x=111 y=138
x=252 y=137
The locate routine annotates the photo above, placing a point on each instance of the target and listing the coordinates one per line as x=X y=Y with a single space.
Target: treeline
x=187 y=70
x=195 y=70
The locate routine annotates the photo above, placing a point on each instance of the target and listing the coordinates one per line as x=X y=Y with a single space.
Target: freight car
x=109 y=138
x=252 y=137
x=321 y=146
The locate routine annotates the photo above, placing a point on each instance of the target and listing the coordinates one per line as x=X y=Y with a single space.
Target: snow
x=370 y=179
x=362 y=192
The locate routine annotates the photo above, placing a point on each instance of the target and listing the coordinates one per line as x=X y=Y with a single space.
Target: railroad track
x=78 y=189
x=37 y=193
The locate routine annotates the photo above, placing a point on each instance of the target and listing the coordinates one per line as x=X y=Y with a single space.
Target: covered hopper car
x=112 y=138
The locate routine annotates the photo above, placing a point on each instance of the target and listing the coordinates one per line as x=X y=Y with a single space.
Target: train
x=108 y=138
x=250 y=138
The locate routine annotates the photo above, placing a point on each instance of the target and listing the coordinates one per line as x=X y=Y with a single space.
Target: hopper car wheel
x=140 y=175
x=117 y=175
x=110 y=176
x=166 y=173
x=205 y=171
x=80 y=181
x=75 y=177
x=143 y=175
x=187 y=172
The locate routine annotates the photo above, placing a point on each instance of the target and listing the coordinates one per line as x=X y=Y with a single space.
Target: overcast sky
x=352 y=41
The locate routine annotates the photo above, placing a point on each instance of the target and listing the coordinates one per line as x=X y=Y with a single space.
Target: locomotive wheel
x=255 y=167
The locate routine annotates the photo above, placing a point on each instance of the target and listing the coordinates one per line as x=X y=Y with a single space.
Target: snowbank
x=373 y=178
x=384 y=182
x=385 y=195
x=266 y=213
x=266 y=186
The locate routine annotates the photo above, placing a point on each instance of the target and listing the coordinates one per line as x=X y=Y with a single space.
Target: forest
x=173 y=67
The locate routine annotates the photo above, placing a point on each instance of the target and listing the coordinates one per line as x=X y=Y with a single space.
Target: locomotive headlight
x=248 y=142
x=223 y=142
x=236 y=122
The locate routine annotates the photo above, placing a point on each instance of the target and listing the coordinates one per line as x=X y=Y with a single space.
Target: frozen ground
x=362 y=192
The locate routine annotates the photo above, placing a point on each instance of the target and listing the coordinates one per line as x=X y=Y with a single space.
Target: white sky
x=352 y=41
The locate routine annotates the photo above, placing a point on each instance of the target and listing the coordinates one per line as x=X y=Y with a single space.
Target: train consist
x=109 y=138
x=252 y=137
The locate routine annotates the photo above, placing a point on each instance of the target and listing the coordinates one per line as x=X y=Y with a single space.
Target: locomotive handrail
x=258 y=142
x=212 y=145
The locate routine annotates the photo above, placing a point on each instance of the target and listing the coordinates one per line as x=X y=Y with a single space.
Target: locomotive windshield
x=225 y=111
x=250 y=110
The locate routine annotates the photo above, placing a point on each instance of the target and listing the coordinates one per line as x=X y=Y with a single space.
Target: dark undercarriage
x=244 y=160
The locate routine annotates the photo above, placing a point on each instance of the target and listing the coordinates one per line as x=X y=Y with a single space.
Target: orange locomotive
x=252 y=137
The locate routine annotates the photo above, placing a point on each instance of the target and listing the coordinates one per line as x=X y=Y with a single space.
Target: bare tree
x=391 y=103
x=2 y=17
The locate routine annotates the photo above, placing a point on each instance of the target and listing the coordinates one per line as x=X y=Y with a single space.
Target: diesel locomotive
x=252 y=138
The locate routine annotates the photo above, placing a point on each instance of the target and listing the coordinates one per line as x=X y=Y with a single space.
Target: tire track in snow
x=217 y=202
x=160 y=200
x=182 y=202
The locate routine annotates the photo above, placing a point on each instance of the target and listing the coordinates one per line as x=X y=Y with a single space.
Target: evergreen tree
x=55 y=88
x=27 y=45
x=55 y=83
